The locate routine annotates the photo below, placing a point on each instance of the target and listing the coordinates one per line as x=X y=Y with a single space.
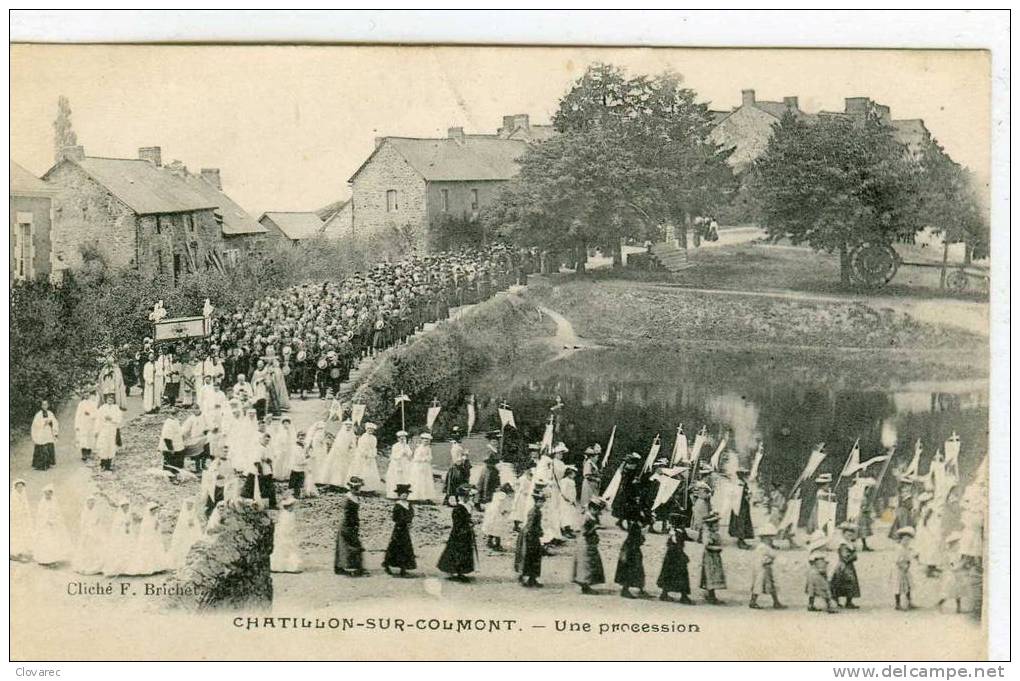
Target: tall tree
x=953 y=207
x=63 y=134
x=837 y=183
x=632 y=156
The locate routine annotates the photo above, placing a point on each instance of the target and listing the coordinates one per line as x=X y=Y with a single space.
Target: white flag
x=814 y=460
x=609 y=448
x=667 y=486
x=915 y=463
x=547 y=437
x=714 y=462
x=506 y=417
x=430 y=417
x=952 y=449
x=853 y=462
x=680 y=450
x=357 y=413
x=400 y=398
x=652 y=453
x=758 y=456
x=613 y=487
x=792 y=515
x=471 y=415
x=699 y=442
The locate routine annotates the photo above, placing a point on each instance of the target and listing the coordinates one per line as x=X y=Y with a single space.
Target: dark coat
x=740 y=520
x=673 y=576
x=528 y=558
x=630 y=568
x=400 y=551
x=844 y=578
x=488 y=483
x=349 y=551
x=458 y=558
x=588 y=567
x=456 y=475
x=628 y=505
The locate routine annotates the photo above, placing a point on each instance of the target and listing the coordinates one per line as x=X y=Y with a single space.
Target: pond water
x=787 y=405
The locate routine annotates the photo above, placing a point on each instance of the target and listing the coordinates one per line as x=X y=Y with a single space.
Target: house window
x=445 y=194
x=391 y=200
x=474 y=199
x=23 y=247
x=159 y=229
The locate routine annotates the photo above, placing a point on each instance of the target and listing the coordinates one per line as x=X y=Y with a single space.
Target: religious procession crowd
x=307 y=339
x=539 y=501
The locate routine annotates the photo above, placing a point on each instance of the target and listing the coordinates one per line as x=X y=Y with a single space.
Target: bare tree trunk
x=682 y=230
x=617 y=253
x=844 y=265
x=945 y=262
x=580 y=257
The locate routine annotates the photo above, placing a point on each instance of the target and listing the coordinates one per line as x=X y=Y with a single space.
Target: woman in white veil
x=88 y=553
x=22 y=527
x=52 y=545
x=187 y=531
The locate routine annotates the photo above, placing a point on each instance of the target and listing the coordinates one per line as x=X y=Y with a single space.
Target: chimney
x=455 y=134
x=791 y=103
x=212 y=176
x=883 y=113
x=153 y=155
x=508 y=126
x=75 y=153
x=747 y=97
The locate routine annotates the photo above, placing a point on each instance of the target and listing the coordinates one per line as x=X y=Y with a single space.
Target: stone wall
x=231 y=568
x=341 y=225
x=749 y=129
x=39 y=209
x=170 y=237
x=85 y=214
x=406 y=227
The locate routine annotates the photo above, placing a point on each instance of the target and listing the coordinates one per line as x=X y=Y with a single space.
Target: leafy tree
x=837 y=183
x=632 y=156
x=953 y=208
x=63 y=134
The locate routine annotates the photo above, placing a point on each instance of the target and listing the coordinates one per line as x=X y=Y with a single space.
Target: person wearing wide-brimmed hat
x=904 y=515
x=489 y=481
x=588 y=569
x=844 y=582
x=529 y=550
x=459 y=472
x=763 y=579
x=458 y=559
x=496 y=521
x=348 y=558
x=741 y=527
x=673 y=575
x=627 y=506
x=630 y=566
x=902 y=580
x=364 y=462
x=713 y=576
x=590 y=476
x=400 y=550
x=701 y=507
x=423 y=488
x=817 y=583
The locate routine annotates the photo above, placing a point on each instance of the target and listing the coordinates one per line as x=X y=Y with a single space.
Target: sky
x=289 y=125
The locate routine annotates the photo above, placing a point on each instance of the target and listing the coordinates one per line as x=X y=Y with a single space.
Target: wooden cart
x=873 y=265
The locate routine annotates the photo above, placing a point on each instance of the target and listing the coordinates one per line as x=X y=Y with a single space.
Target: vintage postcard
x=368 y=352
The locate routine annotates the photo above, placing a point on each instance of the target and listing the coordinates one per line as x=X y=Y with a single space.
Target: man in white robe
x=85 y=425
x=108 y=420
x=150 y=400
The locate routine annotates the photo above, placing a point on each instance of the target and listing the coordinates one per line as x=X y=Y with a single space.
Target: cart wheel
x=957 y=281
x=873 y=265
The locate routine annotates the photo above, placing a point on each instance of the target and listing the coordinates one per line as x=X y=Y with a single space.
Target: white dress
x=570 y=516
x=88 y=553
x=522 y=501
x=22 y=529
x=423 y=488
x=283 y=452
x=365 y=464
x=495 y=522
x=337 y=464
x=286 y=554
x=398 y=472
x=119 y=544
x=85 y=424
x=149 y=401
x=52 y=544
x=187 y=531
x=150 y=556
x=108 y=420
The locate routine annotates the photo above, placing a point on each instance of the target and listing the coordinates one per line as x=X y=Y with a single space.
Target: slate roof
x=295 y=225
x=329 y=210
x=236 y=220
x=24 y=182
x=145 y=188
x=474 y=157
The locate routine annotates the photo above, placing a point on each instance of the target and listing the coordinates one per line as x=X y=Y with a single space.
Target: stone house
x=162 y=221
x=337 y=219
x=409 y=187
x=31 y=208
x=291 y=226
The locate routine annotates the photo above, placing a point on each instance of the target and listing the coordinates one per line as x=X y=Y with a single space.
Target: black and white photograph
x=486 y=352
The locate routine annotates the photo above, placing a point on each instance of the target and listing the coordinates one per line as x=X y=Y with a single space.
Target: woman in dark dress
x=348 y=558
x=844 y=582
x=588 y=569
x=458 y=558
x=673 y=577
x=740 y=520
x=400 y=551
x=630 y=568
x=528 y=558
x=489 y=482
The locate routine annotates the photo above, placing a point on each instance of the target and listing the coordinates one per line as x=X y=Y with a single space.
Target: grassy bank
x=622 y=313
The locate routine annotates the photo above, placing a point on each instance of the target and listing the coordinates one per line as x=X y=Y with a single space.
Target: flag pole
x=609 y=447
x=857 y=444
x=885 y=467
